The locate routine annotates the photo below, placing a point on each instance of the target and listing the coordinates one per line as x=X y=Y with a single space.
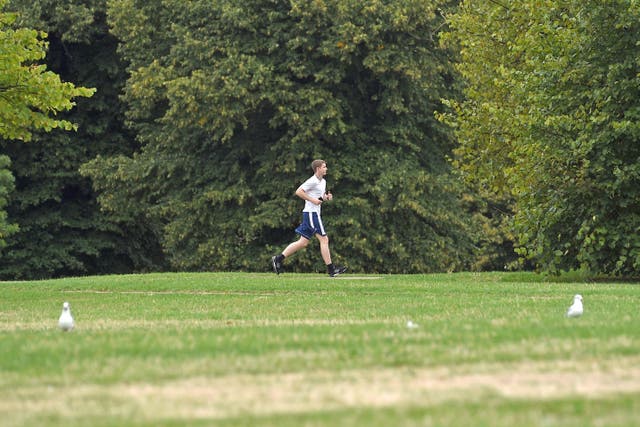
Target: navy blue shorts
x=311 y=225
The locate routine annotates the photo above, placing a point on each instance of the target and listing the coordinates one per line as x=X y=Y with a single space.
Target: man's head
x=319 y=168
x=316 y=164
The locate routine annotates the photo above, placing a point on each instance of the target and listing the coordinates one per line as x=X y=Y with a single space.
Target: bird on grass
x=576 y=308
x=65 y=322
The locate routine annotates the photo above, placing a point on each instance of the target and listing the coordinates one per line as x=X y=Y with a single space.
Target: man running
x=313 y=192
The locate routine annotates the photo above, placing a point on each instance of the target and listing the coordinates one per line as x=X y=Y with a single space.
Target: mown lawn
x=239 y=349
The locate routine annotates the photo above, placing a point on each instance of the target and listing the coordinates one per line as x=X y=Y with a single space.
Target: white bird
x=411 y=325
x=65 y=322
x=576 y=308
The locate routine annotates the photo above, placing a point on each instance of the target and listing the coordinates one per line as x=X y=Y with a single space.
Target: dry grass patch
x=234 y=395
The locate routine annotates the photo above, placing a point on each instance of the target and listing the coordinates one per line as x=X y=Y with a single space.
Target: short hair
x=316 y=164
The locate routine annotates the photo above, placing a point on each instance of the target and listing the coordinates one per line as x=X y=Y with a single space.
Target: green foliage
x=232 y=100
x=6 y=186
x=551 y=123
x=62 y=229
x=30 y=95
x=30 y=98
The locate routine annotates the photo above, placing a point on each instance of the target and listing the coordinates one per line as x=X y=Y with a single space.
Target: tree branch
x=500 y=4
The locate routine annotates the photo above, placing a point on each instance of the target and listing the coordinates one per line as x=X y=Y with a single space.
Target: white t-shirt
x=315 y=188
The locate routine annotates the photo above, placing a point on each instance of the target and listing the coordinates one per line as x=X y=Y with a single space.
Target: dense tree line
x=61 y=228
x=550 y=125
x=207 y=114
x=230 y=103
x=30 y=97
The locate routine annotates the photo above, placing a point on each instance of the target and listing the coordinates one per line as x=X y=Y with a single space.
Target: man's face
x=321 y=171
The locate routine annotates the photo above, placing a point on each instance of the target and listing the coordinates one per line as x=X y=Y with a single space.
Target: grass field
x=234 y=349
